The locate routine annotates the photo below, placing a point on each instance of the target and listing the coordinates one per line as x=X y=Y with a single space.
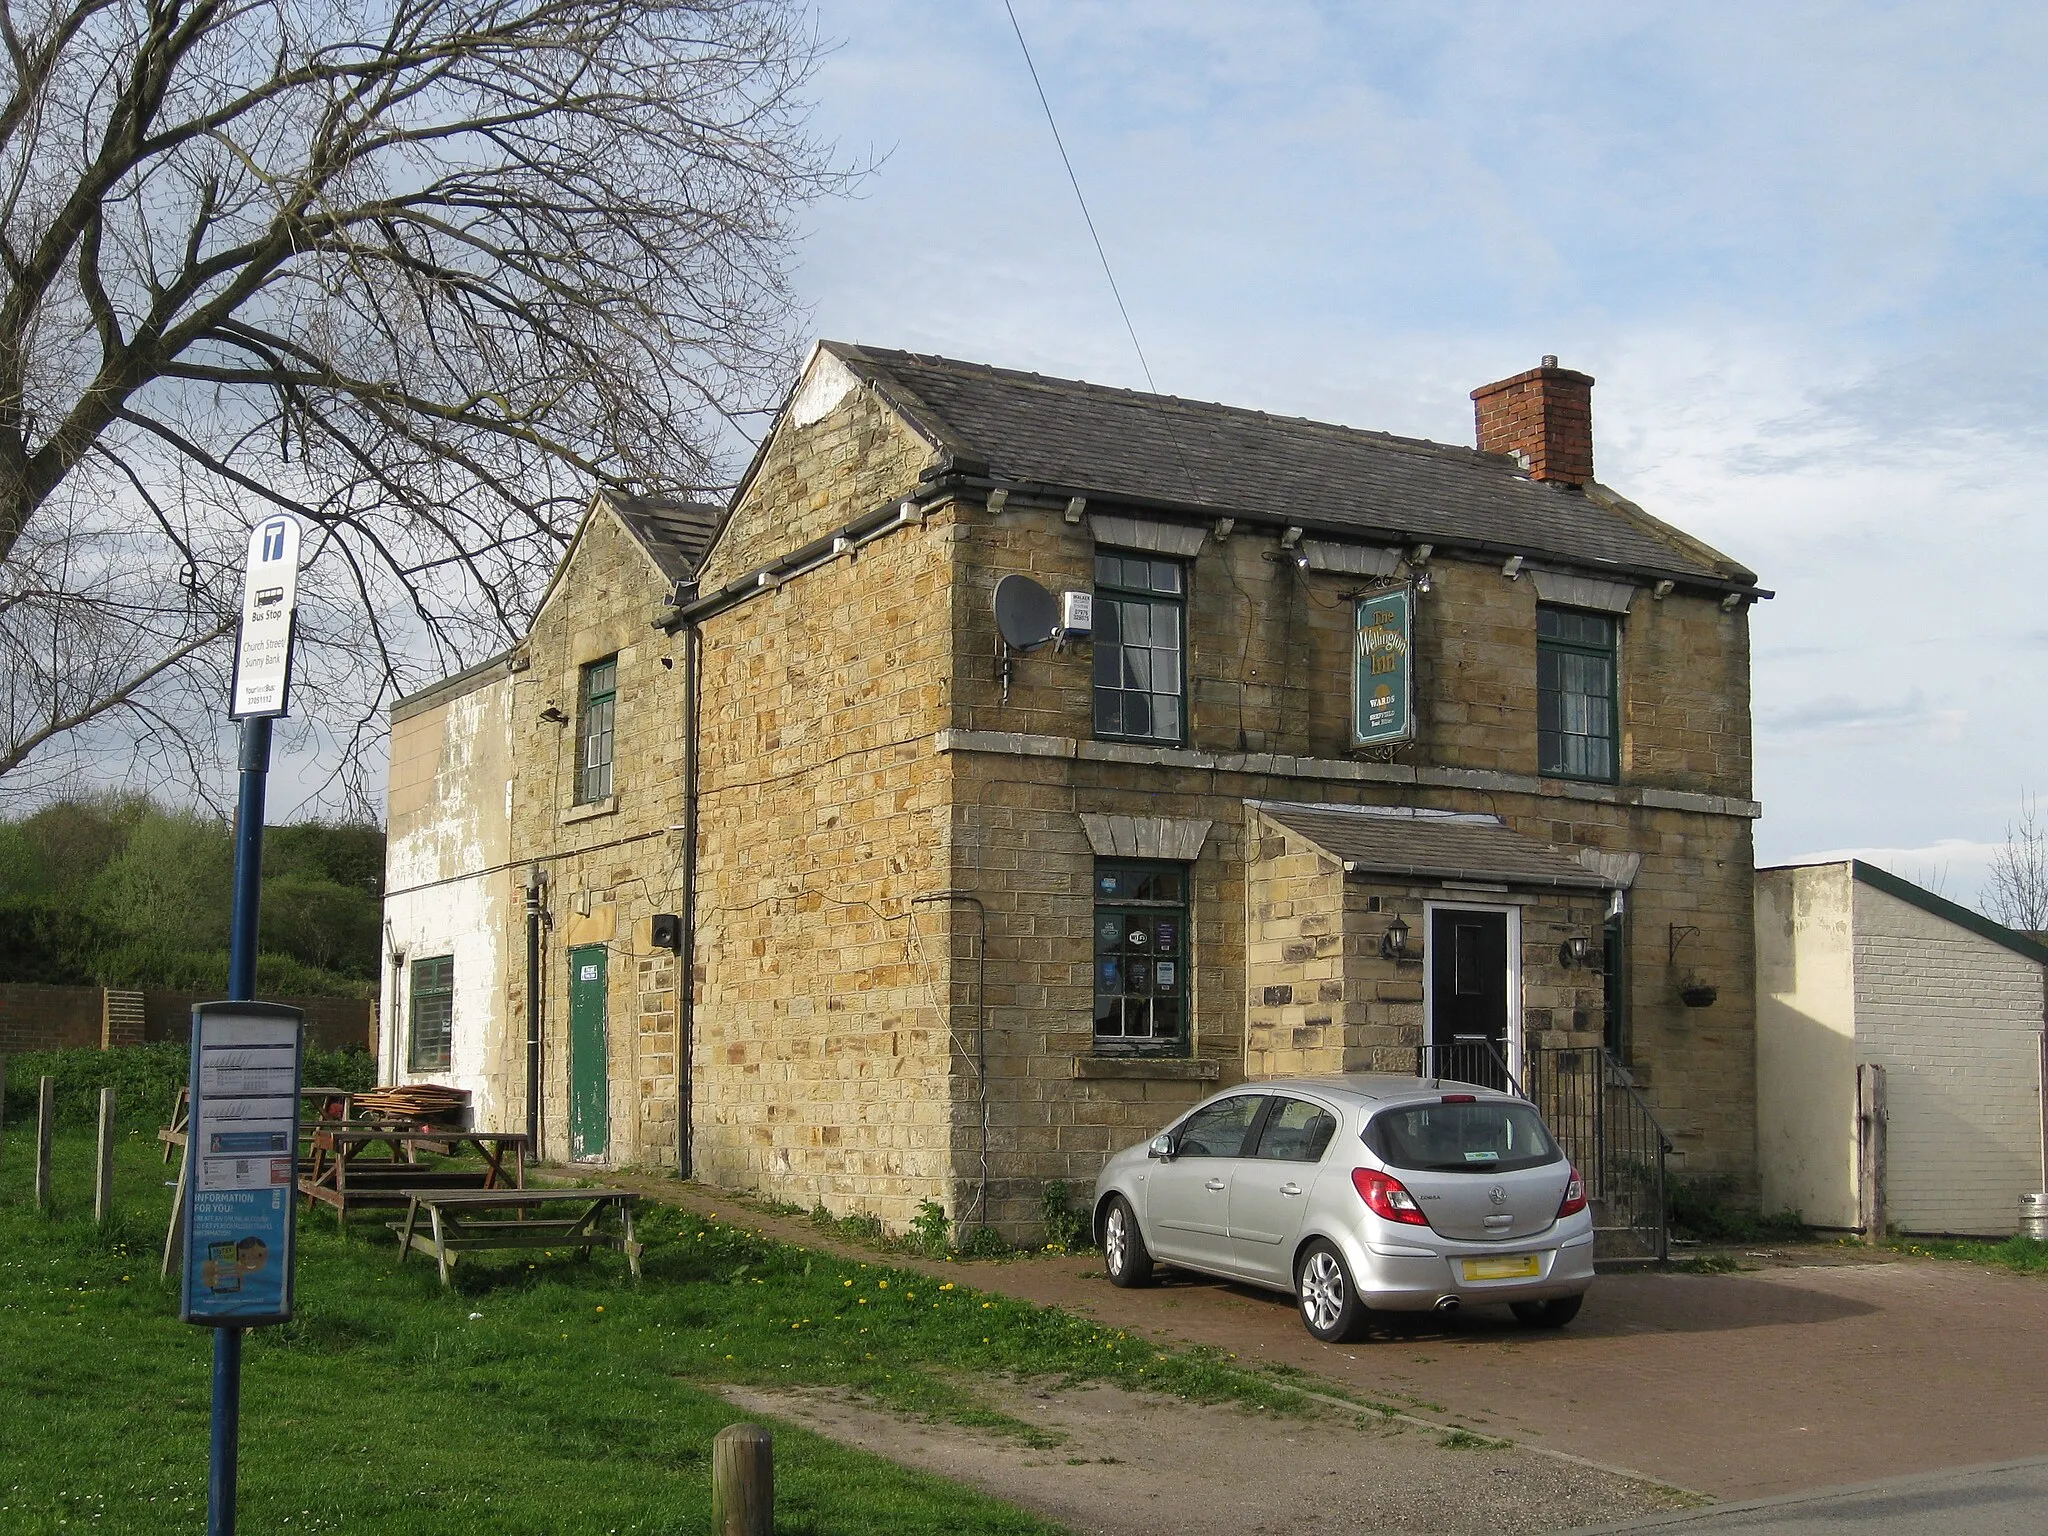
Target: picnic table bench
x=463 y=1220
x=337 y=1172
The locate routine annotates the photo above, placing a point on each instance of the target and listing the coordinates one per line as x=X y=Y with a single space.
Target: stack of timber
x=416 y=1104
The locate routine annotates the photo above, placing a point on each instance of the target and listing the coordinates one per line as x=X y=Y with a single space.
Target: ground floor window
x=1141 y=958
x=433 y=1013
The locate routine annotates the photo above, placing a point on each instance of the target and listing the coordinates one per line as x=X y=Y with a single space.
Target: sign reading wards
x=270 y=590
x=1382 y=669
x=243 y=1151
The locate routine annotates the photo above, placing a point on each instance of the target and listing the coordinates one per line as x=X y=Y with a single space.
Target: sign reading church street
x=270 y=589
x=1383 y=708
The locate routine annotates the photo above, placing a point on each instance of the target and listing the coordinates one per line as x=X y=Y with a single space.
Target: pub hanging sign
x=1383 y=675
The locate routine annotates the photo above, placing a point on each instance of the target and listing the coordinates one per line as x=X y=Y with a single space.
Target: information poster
x=243 y=1157
x=1383 y=670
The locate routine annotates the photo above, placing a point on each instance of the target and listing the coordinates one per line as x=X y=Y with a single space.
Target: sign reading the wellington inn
x=1382 y=670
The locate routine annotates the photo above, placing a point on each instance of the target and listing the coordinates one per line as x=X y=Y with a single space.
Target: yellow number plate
x=1523 y=1266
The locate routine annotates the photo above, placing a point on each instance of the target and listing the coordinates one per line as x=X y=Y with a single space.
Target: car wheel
x=1554 y=1313
x=1330 y=1308
x=1123 y=1246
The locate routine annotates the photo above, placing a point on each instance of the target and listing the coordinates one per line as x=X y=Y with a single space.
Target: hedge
x=145 y=1080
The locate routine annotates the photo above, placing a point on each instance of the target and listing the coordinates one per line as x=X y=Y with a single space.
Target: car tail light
x=1574 y=1195
x=1384 y=1196
x=1461 y=1098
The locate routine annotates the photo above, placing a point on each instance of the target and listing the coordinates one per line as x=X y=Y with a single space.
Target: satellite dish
x=1027 y=615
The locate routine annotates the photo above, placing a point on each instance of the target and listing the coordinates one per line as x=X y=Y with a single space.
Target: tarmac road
x=2006 y=1499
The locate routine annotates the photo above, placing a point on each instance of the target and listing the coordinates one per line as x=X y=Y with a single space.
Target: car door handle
x=1216 y=1186
x=1290 y=1189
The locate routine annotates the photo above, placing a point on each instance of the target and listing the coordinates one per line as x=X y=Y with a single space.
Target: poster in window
x=1382 y=669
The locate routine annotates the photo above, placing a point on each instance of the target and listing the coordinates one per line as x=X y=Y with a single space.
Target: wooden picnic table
x=338 y=1173
x=462 y=1220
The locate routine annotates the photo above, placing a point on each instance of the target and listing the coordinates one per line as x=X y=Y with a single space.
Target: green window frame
x=1140 y=952
x=433 y=1014
x=1578 y=701
x=1140 y=644
x=595 y=734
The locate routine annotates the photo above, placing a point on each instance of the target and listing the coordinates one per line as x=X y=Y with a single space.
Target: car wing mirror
x=1162 y=1146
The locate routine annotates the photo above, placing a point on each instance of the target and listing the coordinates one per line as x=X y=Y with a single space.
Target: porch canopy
x=1441 y=845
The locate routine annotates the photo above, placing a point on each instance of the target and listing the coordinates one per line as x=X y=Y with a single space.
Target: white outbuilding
x=1858 y=970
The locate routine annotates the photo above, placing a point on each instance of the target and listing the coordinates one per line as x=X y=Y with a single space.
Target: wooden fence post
x=1873 y=1119
x=3 y=1105
x=46 y=1122
x=743 y=1481
x=103 y=1165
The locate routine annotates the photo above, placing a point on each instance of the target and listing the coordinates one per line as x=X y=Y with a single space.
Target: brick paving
x=1788 y=1378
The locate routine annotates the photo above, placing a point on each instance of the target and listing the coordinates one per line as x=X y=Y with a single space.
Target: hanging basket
x=1698 y=994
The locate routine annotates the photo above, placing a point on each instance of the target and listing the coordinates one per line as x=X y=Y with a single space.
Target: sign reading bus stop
x=243 y=1150
x=270 y=594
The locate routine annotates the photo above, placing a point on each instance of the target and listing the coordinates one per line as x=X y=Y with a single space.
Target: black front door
x=1468 y=993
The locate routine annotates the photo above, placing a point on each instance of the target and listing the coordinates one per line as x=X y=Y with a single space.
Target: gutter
x=962 y=477
x=897 y=512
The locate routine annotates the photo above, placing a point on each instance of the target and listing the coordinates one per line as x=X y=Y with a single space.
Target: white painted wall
x=1955 y=1020
x=1806 y=1044
x=450 y=892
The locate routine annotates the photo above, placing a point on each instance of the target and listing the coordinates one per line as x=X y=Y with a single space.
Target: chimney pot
x=1543 y=419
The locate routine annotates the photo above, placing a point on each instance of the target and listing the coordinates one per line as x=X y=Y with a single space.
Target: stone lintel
x=1574 y=591
x=1145 y=837
x=1181 y=539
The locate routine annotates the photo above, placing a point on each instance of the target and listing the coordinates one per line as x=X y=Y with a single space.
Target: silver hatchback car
x=1358 y=1194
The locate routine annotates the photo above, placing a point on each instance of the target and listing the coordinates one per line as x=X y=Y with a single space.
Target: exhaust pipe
x=1447 y=1303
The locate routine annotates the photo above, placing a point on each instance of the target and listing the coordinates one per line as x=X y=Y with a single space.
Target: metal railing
x=1467 y=1059
x=1591 y=1105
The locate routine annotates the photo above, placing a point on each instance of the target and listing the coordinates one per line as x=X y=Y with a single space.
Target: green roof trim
x=1940 y=906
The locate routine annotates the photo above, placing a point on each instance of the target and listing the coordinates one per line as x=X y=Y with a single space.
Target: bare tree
x=425 y=272
x=2018 y=893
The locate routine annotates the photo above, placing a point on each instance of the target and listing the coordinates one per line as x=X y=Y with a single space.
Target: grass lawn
x=2027 y=1255
x=543 y=1396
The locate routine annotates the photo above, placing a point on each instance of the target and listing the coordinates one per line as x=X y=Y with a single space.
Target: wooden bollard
x=743 y=1481
x=103 y=1165
x=46 y=1124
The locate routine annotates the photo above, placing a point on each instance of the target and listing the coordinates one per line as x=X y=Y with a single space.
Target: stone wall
x=609 y=865
x=834 y=1053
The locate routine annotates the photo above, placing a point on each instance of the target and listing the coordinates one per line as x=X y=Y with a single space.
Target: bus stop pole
x=227 y=1342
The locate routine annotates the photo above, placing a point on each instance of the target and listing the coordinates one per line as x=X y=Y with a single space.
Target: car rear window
x=1490 y=1136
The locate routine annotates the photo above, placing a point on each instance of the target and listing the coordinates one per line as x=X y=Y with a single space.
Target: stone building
x=1375 y=744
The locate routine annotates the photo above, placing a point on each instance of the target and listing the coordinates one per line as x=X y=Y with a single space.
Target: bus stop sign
x=243 y=1151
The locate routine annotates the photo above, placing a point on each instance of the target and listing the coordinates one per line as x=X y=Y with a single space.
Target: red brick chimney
x=1545 y=415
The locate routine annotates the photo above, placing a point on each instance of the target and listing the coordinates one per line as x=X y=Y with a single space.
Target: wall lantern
x=1577 y=951
x=1394 y=942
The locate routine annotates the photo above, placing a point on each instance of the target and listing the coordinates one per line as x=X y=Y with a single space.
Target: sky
x=1799 y=245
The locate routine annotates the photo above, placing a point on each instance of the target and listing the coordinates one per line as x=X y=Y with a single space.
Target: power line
x=1103 y=255
x=1083 y=201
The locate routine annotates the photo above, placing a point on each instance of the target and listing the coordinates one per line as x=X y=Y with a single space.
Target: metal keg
x=2034 y=1215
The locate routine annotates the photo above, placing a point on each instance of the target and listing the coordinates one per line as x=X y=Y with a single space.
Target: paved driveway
x=1740 y=1386
x=1782 y=1380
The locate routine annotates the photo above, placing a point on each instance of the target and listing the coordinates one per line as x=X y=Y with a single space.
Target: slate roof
x=674 y=533
x=1120 y=444
x=1391 y=840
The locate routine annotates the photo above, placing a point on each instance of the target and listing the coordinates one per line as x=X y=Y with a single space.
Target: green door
x=590 y=1117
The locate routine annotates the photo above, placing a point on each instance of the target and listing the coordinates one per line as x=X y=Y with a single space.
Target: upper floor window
x=1141 y=957
x=594 y=758
x=1140 y=648
x=1576 y=708
x=433 y=1013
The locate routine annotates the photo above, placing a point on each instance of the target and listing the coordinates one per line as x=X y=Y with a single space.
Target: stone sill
x=1173 y=1069
x=608 y=806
